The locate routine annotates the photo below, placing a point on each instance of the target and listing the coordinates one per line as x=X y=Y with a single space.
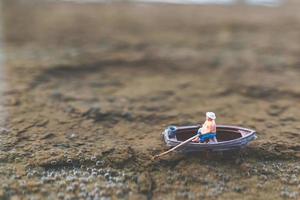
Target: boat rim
x=251 y=132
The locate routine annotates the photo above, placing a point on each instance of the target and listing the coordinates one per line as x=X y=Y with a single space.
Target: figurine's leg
x=201 y=139
x=215 y=140
x=211 y=141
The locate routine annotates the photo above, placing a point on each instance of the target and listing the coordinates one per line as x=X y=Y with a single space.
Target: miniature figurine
x=208 y=130
x=229 y=137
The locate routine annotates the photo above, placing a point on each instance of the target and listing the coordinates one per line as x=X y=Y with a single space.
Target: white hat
x=211 y=115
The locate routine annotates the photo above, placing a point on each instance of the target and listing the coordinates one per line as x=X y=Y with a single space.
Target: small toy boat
x=229 y=138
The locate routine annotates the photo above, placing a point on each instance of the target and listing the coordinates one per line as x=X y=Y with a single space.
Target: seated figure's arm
x=196 y=139
x=199 y=131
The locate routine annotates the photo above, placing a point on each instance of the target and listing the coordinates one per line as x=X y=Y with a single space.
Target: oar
x=176 y=147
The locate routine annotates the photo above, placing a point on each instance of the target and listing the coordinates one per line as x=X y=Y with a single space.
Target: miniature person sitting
x=208 y=129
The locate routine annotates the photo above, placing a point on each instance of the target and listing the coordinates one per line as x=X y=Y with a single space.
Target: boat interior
x=223 y=133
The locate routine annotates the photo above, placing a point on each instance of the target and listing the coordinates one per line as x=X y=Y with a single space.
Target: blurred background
x=87 y=86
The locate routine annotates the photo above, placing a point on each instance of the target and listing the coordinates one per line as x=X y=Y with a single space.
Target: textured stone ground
x=89 y=88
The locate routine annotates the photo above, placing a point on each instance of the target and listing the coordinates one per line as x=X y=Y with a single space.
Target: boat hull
x=247 y=135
